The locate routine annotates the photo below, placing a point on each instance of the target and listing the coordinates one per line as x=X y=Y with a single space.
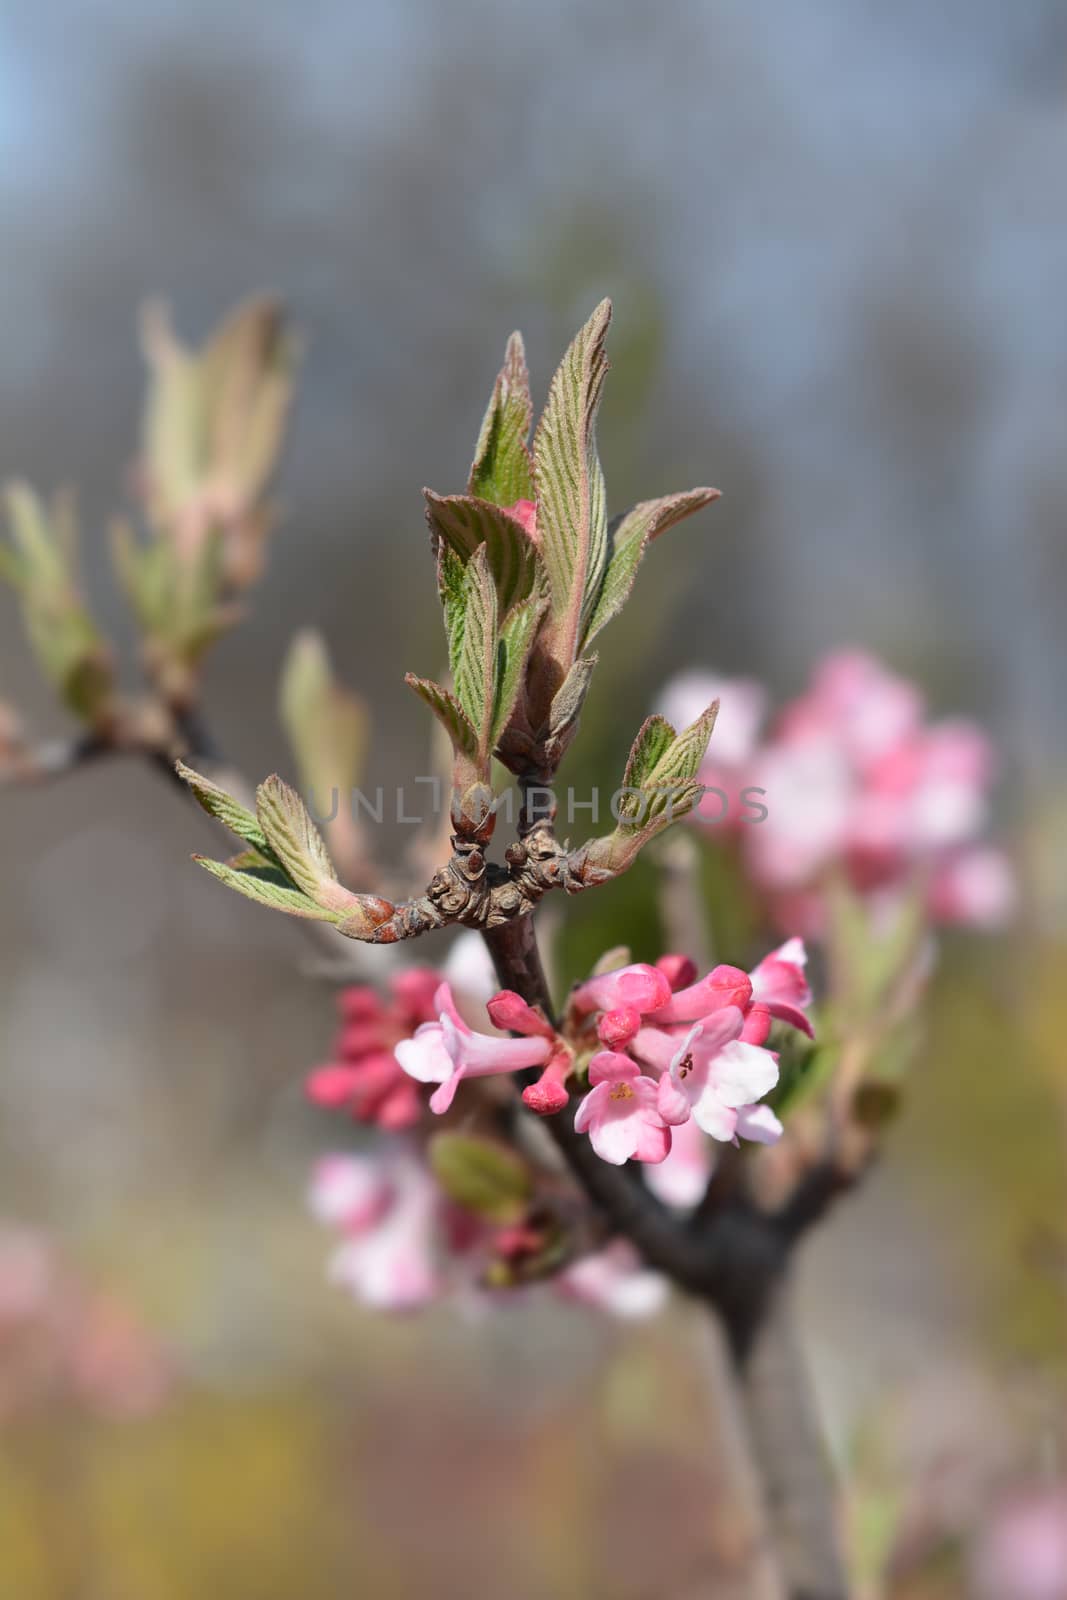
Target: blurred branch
x=30 y=765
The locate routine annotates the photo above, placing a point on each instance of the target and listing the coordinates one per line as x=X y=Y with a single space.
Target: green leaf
x=463 y=524
x=451 y=581
x=571 y=507
x=449 y=713
x=293 y=838
x=475 y=666
x=569 y=699
x=481 y=1176
x=41 y=565
x=268 y=886
x=246 y=372
x=513 y=649
x=501 y=471
x=628 y=538
x=326 y=725
x=654 y=738
x=680 y=760
x=663 y=767
x=217 y=803
x=214 y=418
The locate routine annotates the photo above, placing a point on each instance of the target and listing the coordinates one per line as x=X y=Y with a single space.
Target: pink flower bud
x=616 y=1028
x=510 y=1013
x=679 y=971
x=640 y=987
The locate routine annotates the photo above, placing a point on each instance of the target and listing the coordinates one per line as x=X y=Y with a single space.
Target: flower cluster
x=854 y=780
x=61 y=1340
x=658 y=1045
x=364 y=1077
x=403 y=1245
x=648 y=1060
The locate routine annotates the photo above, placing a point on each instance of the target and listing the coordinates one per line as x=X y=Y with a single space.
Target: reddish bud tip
x=617 y=1028
x=679 y=971
x=546 y=1097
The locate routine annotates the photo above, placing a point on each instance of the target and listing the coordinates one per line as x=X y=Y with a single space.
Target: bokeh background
x=836 y=237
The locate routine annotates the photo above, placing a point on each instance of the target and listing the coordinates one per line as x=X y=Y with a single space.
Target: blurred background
x=836 y=238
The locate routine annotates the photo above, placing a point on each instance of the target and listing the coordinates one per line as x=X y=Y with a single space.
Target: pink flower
x=976 y=887
x=855 y=783
x=1022 y=1554
x=614 y=1280
x=779 y=984
x=681 y=1179
x=620 y=1112
x=714 y=1074
x=447 y=1051
x=386 y=1209
x=639 y=988
x=349 y=1192
x=364 y=1078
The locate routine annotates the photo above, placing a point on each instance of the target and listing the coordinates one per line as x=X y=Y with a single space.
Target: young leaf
x=326 y=725
x=513 y=649
x=449 y=713
x=270 y=887
x=217 y=803
x=462 y=524
x=501 y=471
x=451 y=584
x=654 y=738
x=476 y=658
x=628 y=538
x=293 y=838
x=571 y=508
x=680 y=761
x=480 y=1175
x=40 y=564
x=662 y=767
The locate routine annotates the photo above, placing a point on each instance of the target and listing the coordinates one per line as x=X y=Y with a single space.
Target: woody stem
x=735 y=1258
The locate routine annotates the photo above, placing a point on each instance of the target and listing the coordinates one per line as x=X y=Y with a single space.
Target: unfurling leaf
x=513 y=650
x=225 y=809
x=475 y=663
x=679 y=762
x=567 y=703
x=462 y=524
x=571 y=506
x=501 y=471
x=481 y=1176
x=286 y=865
x=628 y=538
x=661 y=787
x=40 y=564
x=326 y=726
x=294 y=839
x=213 y=426
x=269 y=886
x=449 y=713
x=654 y=738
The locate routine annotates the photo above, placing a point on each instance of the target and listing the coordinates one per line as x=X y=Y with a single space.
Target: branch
x=30 y=765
